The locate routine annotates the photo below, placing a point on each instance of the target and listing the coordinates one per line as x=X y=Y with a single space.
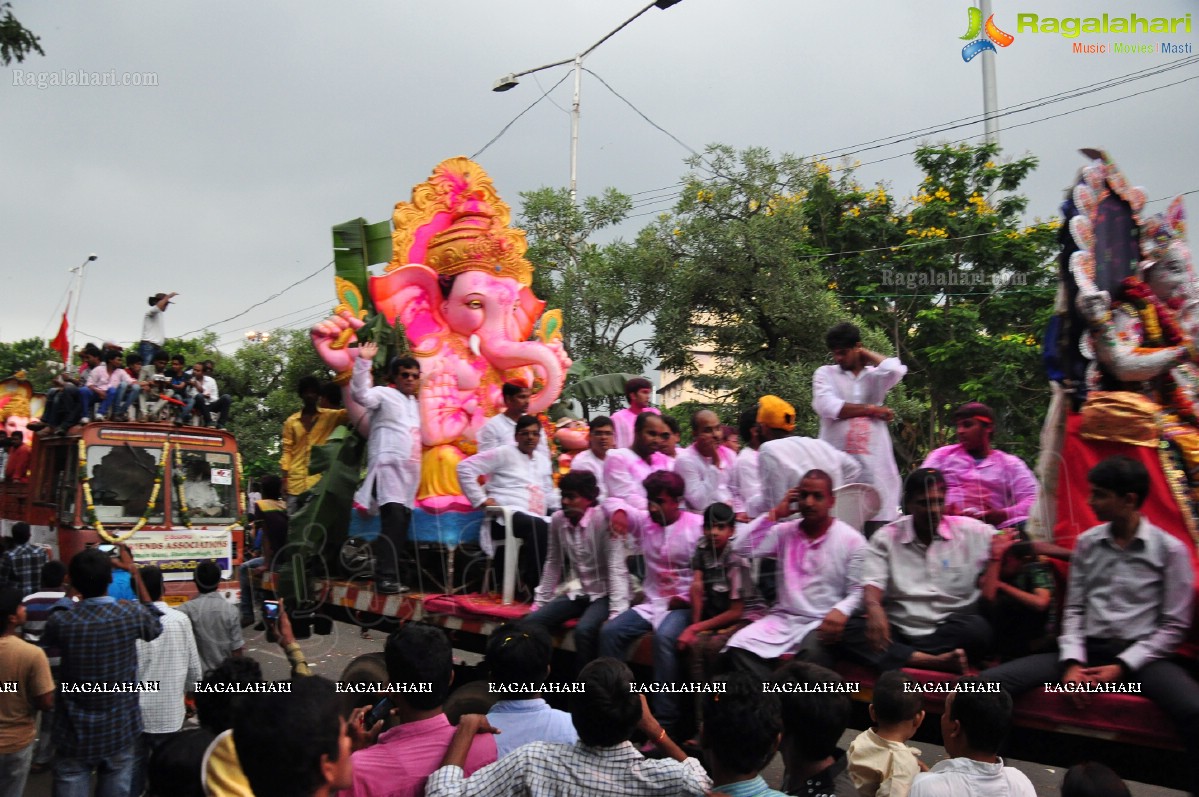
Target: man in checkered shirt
x=97 y=731
x=22 y=566
x=603 y=763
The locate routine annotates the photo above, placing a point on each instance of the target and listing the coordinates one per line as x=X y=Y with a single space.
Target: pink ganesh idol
x=459 y=284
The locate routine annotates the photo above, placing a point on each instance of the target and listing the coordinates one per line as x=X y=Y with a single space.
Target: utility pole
x=990 y=94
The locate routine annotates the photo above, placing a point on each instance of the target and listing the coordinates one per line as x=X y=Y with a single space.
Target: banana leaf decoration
x=322 y=525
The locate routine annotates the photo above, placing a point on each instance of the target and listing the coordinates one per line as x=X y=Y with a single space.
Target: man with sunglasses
x=393 y=457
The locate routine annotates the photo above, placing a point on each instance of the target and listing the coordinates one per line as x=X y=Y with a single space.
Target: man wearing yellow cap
x=784 y=458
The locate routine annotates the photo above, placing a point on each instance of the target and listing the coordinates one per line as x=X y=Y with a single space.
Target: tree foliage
x=606 y=293
x=34 y=357
x=16 y=41
x=764 y=254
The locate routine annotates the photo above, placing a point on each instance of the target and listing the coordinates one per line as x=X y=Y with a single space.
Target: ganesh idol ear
x=411 y=295
x=528 y=310
x=1176 y=218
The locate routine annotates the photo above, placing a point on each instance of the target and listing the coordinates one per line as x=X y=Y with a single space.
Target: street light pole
x=990 y=93
x=510 y=81
x=574 y=132
x=78 y=291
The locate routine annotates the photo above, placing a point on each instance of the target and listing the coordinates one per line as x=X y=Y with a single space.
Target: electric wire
x=273 y=296
x=506 y=127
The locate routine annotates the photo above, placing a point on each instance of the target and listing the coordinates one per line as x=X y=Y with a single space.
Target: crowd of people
x=729 y=553
x=147 y=383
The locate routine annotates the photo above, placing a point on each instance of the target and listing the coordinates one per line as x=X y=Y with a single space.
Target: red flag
x=60 y=343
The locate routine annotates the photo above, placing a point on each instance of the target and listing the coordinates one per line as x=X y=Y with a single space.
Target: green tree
x=606 y=293
x=766 y=253
x=735 y=257
x=261 y=378
x=30 y=355
x=16 y=41
x=953 y=276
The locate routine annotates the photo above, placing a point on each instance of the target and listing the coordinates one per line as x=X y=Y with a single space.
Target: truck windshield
x=208 y=486
x=122 y=479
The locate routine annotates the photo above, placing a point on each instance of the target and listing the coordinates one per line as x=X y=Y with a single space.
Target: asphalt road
x=329 y=655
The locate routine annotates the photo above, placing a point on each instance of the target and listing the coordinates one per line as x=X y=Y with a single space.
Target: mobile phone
x=109 y=550
x=270 y=611
x=379 y=712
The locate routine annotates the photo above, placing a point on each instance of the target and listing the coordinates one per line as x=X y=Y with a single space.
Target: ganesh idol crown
x=459 y=286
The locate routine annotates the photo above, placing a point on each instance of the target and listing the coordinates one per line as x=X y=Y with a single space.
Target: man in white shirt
x=209 y=398
x=600 y=440
x=154 y=334
x=500 y=429
x=973 y=727
x=171 y=661
x=848 y=396
x=392 y=459
x=921 y=591
x=706 y=466
x=518 y=477
x=784 y=458
x=745 y=482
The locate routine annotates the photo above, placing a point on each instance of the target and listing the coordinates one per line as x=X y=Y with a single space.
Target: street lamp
x=510 y=81
x=78 y=291
x=254 y=336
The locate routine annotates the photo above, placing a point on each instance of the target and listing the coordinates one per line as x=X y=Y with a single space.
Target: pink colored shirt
x=624 y=472
x=668 y=553
x=1000 y=481
x=404 y=757
x=101 y=380
x=623 y=422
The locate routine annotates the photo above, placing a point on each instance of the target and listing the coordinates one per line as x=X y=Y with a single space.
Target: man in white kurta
x=392 y=458
x=518 y=477
x=745 y=483
x=848 y=396
x=600 y=440
x=500 y=429
x=820 y=562
x=706 y=466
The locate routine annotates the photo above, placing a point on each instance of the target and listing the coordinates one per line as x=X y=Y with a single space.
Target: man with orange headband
x=983 y=483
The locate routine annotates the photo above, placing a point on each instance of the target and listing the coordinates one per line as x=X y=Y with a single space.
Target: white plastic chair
x=856 y=504
x=510 y=542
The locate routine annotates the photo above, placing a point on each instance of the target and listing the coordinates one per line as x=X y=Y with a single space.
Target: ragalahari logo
x=990 y=36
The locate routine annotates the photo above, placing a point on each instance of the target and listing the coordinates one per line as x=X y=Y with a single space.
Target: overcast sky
x=272 y=121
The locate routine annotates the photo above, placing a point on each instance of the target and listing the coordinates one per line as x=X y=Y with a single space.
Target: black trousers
x=393 y=536
x=1165 y=683
x=967 y=630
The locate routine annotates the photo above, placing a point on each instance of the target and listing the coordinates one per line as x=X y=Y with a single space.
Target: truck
x=173 y=494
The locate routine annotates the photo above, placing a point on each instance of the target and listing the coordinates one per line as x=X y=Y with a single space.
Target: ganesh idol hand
x=332 y=337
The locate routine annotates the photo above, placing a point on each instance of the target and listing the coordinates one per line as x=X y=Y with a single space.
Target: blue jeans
x=14 y=770
x=245 y=579
x=591 y=614
x=118 y=399
x=628 y=627
x=147 y=350
x=114 y=774
x=146 y=746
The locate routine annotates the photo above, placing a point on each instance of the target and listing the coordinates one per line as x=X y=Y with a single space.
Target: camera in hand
x=270 y=611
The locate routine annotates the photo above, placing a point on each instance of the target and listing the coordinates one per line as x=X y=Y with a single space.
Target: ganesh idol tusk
x=474 y=345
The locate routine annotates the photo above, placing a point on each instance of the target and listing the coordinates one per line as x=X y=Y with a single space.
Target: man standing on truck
x=303 y=431
x=393 y=457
